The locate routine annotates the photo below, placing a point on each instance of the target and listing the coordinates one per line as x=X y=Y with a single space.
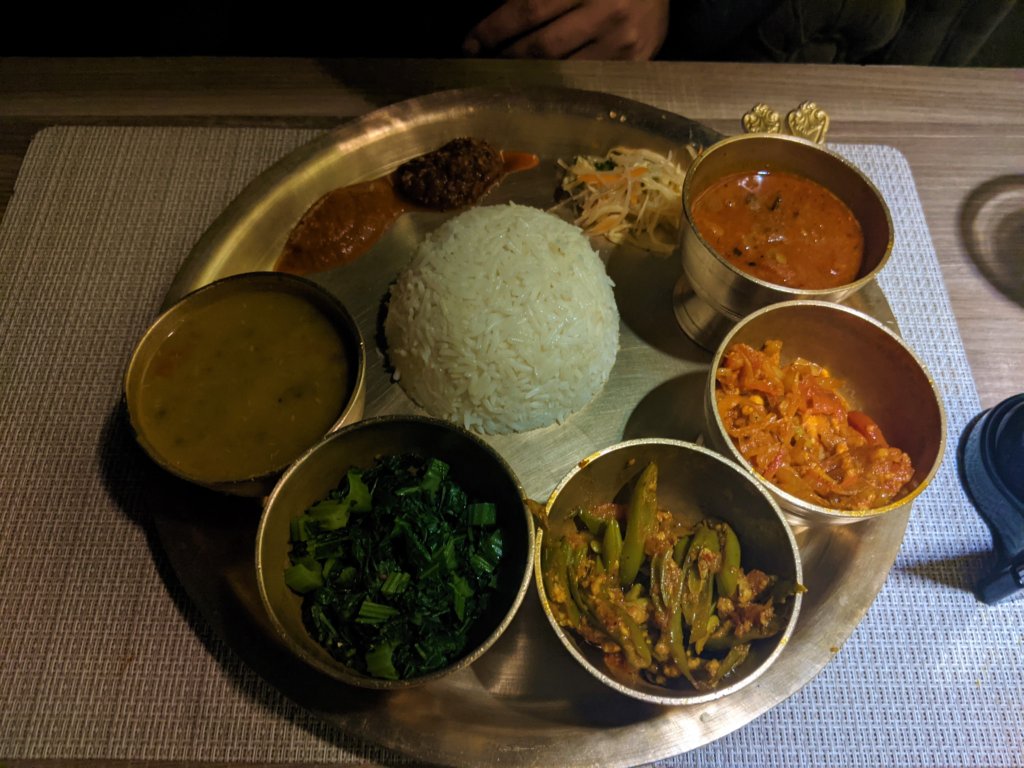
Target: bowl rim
x=779 y=288
x=684 y=696
x=336 y=669
x=268 y=280
x=808 y=509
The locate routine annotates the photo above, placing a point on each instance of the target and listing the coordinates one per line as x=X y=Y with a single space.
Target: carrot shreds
x=628 y=196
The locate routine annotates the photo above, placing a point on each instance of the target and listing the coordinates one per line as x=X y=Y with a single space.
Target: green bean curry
x=665 y=600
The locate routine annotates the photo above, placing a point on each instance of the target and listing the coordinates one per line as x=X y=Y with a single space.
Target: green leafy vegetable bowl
x=394 y=552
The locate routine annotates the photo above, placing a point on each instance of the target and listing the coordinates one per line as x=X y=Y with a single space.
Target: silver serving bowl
x=881 y=376
x=712 y=294
x=693 y=483
x=475 y=466
x=164 y=327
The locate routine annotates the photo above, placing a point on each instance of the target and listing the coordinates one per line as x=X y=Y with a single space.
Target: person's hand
x=578 y=29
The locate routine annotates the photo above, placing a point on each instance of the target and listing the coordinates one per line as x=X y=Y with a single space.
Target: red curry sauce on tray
x=781 y=228
x=346 y=222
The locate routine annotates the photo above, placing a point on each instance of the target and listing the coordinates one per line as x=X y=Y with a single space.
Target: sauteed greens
x=395 y=566
x=663 y=599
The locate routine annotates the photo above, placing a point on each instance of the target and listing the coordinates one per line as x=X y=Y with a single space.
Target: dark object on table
x=992 y=471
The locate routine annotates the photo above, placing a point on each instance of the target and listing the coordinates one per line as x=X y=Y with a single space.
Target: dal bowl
x=238 y=378
x=878 y=375
x=693 y=483
x=474 y=466
x=712 y=293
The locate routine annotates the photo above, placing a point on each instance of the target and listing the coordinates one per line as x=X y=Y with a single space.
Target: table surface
x=962 y=131
x=957 y=131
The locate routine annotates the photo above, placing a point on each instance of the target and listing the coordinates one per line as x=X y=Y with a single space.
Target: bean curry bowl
x=667 y=571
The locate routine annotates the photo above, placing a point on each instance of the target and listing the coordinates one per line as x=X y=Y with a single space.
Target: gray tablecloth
x=101 y=654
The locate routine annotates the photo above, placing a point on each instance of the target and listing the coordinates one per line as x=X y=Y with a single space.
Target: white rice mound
x=505 y=321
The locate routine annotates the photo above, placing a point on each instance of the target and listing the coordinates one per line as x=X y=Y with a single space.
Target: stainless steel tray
x=526 y=702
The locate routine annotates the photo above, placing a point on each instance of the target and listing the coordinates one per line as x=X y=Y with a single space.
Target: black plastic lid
x=992 y=471
x=1003 y=582
x=1008 y=446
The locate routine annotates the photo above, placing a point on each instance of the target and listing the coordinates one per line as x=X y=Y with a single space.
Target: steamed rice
x=504 y=321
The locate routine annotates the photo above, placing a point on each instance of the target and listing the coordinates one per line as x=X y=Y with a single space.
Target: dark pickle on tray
x=665 y=600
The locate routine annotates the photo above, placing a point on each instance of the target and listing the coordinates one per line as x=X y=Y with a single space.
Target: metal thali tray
x=526 y=701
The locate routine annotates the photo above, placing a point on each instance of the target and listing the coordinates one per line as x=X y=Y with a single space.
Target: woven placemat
x=101 y=654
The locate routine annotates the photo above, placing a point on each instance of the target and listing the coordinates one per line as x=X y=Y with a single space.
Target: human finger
x=512 y=20
x=558 y=39
x=628 y=31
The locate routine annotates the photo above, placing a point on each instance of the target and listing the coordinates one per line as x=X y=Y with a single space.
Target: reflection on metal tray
x=525 y=702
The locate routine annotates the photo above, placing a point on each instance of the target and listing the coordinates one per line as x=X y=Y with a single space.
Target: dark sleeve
x=781 y=30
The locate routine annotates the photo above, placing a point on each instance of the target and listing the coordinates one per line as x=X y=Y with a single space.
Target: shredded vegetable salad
x=628 y=196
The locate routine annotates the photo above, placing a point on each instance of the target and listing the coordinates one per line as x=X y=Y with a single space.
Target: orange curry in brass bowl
x=781 y=227
x=770 y=218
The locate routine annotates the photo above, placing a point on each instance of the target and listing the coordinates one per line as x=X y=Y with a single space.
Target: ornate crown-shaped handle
x=808 y=121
